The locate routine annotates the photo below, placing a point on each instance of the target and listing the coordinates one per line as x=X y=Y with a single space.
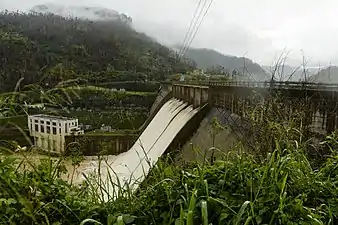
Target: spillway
x=130 y=168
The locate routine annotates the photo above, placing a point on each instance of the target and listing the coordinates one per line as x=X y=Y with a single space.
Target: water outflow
x=132 y=166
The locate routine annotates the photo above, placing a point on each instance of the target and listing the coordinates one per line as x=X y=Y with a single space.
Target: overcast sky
x=258 y=29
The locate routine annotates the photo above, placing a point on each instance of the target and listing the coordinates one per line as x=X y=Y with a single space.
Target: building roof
x=51 y=117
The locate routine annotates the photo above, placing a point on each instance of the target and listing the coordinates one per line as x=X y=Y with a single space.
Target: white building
x=49 y=132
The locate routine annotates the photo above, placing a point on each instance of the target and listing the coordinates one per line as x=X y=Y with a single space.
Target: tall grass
x=283 y=187
x=237 y=189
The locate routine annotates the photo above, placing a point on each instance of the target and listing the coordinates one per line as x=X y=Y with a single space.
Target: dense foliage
x=283 y=189
x=91 y=97
x=47 y=49
x=285 y=186
x=118 y=118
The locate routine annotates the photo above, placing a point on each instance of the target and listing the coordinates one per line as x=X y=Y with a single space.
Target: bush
x=283 y=189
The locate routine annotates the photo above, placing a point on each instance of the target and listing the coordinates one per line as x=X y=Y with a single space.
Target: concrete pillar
x=204 y=96
x=197 y=98
x=117 y=145
x=186 y=94
x=232 y=103
x=191 y=95
x=330 y=119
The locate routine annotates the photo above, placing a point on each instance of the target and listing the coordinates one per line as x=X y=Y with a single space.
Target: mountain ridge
x=82 y=12
x=207 y=58
x=326 y=75
x=47 y=49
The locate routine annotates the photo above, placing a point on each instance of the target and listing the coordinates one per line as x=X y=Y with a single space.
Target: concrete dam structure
x=131 y=167
x=177 y=108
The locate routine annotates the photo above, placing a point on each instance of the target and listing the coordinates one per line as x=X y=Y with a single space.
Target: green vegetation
x=199 y=76
x=279 y=182
x=47 y=49
x=149 y=86
x=101 y=98
x=282 y=189
x=118 y=119
x=215 y=63
x=272 y=178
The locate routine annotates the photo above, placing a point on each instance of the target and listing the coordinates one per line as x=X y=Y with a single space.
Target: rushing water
x=132 y=166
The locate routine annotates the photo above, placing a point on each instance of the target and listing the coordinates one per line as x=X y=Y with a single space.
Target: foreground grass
x=283 y=189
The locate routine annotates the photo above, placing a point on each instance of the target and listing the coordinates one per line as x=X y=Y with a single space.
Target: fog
x=259 y=29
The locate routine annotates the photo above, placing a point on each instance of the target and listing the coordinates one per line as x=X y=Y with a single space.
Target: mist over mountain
x=290 y=73
x=166 y=33
x=327 y=75
x=83 y=12
x=48 y=48
x=208 y=58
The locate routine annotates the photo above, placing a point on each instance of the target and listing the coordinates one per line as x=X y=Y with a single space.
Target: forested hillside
x=208 y=59
x=46 y=49
x=327 y=75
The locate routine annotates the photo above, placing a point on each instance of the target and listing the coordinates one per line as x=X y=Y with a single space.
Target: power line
x=194 y=27
x=206 y=12
x=190 y=26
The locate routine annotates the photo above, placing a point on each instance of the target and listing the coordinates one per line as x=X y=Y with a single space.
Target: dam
x=129 y=169
x=182 y=103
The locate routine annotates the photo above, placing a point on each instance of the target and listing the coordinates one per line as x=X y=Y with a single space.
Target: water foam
x=130 y=168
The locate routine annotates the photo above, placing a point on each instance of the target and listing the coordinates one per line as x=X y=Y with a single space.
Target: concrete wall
x=188 y=131
x=192 y=94
x=101 y=144
x=205 y=142
x=321 y=106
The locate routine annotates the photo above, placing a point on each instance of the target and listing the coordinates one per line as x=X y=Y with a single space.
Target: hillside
x=207 y=58
x=328 y=75
x=83 y=12
x=289 y=73
x=46 y=49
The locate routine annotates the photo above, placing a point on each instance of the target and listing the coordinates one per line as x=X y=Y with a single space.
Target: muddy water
x=132 y=166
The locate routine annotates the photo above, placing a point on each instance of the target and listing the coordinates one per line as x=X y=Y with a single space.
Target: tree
x=52 y=48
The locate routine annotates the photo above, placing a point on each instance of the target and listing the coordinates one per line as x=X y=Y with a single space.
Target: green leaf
x=241 y=212
x=120 y=221
x=7 y=161
x=204 y=209
x=190 y=218
x=90 y=221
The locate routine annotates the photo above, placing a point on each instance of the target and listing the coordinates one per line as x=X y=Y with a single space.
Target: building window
x=48 y=129
x=75 y=123
x=36 y=127
x=36 y=121
x=54 y=130
x=42 y=122
x=42 y=129
x=48 y=122
x=54 y=123
x=66 y=127
x=59 y=130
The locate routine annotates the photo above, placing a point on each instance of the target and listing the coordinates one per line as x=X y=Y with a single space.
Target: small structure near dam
x=49 y=132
